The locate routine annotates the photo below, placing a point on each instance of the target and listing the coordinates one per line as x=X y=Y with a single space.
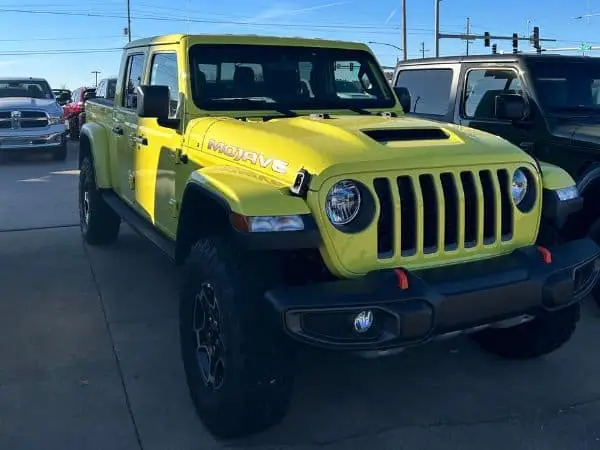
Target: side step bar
x=140 y=225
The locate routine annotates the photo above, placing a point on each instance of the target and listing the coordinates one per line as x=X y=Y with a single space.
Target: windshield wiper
x=250 y=102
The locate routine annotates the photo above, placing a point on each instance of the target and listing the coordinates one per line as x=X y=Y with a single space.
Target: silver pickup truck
x=30 y=117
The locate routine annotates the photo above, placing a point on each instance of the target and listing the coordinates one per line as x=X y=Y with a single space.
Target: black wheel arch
x=588 y=185
x=85 y=149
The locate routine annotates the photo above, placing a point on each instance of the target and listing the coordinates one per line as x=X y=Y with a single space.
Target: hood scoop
x=406 y=134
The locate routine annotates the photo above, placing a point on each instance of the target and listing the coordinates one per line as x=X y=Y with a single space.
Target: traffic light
x=515 y=42
x=536 y=37
x=486 y=39
x=494 y=49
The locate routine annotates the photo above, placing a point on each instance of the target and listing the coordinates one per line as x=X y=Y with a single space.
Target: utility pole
x=128 y=21
x=96 y=72
x=423 y=50
x=404 y=47
x=436 y=32
x=468 y=34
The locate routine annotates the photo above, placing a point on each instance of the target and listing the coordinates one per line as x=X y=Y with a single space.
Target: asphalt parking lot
x=90 y=357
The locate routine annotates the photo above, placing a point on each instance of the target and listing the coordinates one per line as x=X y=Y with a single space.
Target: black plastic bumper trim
x=438 y=301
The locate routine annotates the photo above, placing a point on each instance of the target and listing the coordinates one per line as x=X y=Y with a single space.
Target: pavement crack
x=45 y=227
x=114 y=349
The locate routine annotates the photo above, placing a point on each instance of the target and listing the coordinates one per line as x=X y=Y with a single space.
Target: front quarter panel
x=553 y=177
x=100 y=148
x=248 y=193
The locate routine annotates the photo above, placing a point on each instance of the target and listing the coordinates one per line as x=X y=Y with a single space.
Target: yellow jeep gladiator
x=307 y=209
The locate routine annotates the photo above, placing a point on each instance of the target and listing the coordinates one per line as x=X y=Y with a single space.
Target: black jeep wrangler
x=549 y=105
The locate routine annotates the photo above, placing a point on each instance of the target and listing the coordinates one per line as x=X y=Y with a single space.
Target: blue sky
x=42 y=35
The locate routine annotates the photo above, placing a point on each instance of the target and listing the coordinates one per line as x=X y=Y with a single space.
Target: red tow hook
x=402 y=278
x=546 y=255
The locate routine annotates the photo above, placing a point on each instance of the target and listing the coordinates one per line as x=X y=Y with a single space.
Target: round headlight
x=519 y=186
x=343 y=202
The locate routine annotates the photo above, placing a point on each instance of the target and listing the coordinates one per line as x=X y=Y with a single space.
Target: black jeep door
x=477 y=93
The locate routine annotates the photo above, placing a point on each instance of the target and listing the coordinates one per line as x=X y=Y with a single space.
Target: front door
x=157 y=145
x=476 y=109
x=125 y=126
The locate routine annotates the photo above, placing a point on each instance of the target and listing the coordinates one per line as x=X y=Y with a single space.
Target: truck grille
x=443 y=212
x=26 y=119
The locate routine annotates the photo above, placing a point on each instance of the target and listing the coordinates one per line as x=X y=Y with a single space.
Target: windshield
x=25 y=88
x=235 y=77
x=567 y=86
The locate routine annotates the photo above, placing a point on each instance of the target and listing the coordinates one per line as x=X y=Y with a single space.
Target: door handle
x=118 y=130
x=140 y=140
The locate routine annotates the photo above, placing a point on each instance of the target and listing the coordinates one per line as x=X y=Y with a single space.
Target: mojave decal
x=238 y=154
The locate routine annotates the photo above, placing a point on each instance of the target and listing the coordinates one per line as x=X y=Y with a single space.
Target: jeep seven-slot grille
x=443 y=211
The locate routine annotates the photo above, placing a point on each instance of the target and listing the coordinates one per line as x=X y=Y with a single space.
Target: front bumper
x=45 y=138
x=436 y=302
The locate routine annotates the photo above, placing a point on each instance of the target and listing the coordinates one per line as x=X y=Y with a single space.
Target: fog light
x=363 y=321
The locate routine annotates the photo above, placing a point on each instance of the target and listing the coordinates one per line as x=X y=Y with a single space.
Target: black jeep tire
x=541 y=336
x=98 y=222
x=60 y=154
x=594 y=234
x=248 y=386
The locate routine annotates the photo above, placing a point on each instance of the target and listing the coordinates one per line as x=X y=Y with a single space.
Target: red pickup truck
x=75 y=107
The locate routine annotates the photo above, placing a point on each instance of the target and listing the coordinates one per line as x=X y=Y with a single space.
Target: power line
x=61 y=51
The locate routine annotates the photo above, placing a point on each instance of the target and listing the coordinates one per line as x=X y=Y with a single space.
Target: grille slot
x=385 y=224
x=443 y=211
x=28 y=119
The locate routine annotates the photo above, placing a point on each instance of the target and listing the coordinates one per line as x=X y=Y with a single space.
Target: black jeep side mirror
x=404 y=97
x=510 y=107
x=153 y=101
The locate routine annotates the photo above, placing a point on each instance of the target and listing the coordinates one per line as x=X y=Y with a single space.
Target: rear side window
x=429 y=90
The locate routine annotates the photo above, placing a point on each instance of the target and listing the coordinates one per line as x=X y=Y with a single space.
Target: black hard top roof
x=497 y=58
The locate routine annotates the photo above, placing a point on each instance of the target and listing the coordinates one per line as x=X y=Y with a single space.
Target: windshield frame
x=570 y=110
x=43 y=84
x=388 y=102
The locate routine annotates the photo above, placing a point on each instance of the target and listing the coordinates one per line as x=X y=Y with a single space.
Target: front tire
x=60 y=154
x=594 y=234
x=98 y=222
x=544 y=334
x=239 y=368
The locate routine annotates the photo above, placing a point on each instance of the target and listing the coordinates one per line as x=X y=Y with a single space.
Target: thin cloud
x=281 y=11
x=392 y=14
x=8 y=62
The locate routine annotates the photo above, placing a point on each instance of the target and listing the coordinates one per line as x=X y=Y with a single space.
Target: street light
x=389 y=45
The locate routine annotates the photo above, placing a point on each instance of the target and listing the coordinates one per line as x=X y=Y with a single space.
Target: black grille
x=469 y=204
x=29 y=119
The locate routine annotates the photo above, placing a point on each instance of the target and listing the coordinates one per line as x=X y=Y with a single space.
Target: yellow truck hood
x=346 y=144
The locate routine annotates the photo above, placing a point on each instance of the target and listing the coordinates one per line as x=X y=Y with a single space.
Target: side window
x=75 y=96
x=101 y=89
x=111 y=88
x=429 y=90
x=135 y=67
x=164 y=73
x=482 y=87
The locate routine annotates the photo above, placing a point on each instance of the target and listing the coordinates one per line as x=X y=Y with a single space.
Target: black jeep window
x=253 y=77
x=164 y=73
x=429 y=90
x=567 y=86
x=135 y=67
x=482 y=87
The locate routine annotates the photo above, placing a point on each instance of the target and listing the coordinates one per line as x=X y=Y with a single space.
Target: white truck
x=31 y=118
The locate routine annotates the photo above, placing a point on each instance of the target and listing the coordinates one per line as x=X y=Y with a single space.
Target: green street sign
x=585 y=46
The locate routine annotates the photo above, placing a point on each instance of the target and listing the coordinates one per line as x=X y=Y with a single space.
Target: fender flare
x=97 y=138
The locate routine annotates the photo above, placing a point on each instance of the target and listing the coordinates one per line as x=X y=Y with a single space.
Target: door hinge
x=174 y=204
x=131 y=179
x=180 y=157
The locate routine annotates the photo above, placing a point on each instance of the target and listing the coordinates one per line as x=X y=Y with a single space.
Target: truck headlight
x=343 y=202
x=56 y=119
x=519 y=186
x=567 y=193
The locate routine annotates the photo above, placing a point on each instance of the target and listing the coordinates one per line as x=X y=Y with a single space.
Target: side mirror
x=510 y=107
x=404 y=97
x=153 y=101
